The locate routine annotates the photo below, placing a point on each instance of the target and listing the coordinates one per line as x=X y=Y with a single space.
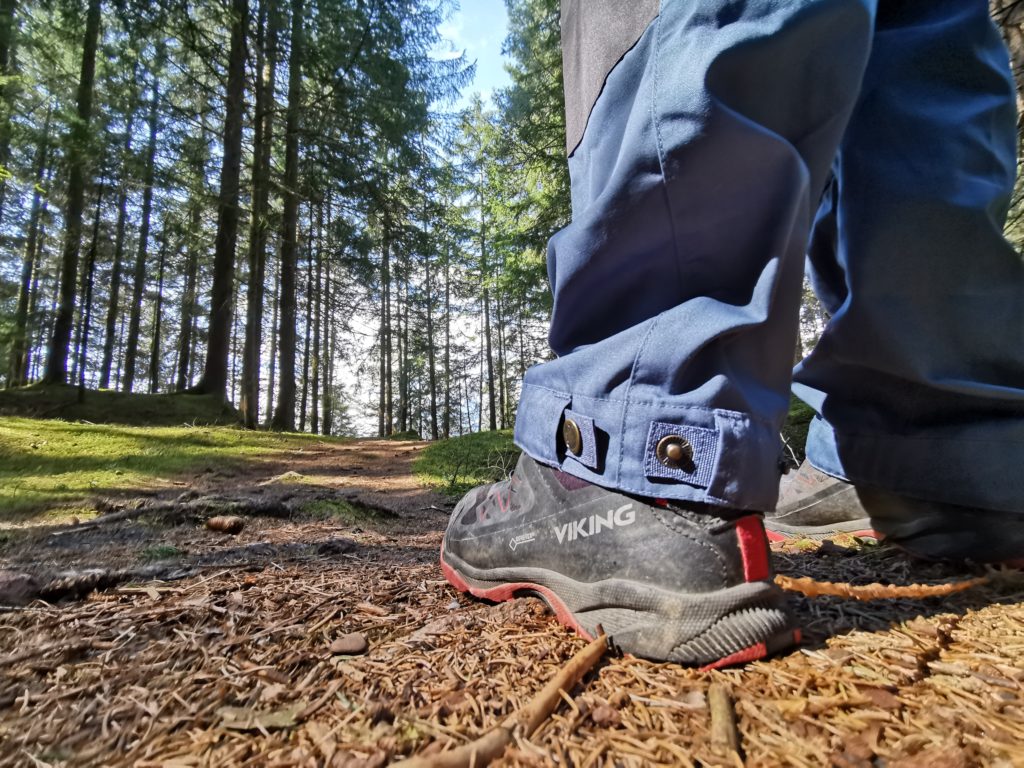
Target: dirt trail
x=232 y=665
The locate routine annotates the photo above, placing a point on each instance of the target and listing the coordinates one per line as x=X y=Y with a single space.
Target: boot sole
x=736 y=624
x=781 y=532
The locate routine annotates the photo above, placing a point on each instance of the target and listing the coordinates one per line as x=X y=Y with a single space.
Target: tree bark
x=188 y=296
x=139 y=279
x=263 y=132
x=154 y=350
x=329 y=341
x=8 y=40
x=284 y=416
x=447 y=428
x=273 y=348
x=215 y=373
x=502 y=395
x=309 y=316
x=85 y=318
x=110 y=327
x=431 y=373
x=57 y=361
x=18 y=370
x=317 y=311
x=90 y=272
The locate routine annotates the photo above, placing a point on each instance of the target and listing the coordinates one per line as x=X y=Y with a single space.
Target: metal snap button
x=573 y=437
x=675 y=451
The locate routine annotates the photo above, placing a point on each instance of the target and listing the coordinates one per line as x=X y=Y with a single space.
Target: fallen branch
x=725 y=737
x=812 y=588
x=492 y=744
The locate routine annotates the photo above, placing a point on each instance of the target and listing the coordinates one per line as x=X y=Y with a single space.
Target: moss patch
x=50 y=466
x=344 y=511
x=61 y=401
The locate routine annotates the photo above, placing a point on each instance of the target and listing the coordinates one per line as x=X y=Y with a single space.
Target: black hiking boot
x=815 y=505
x=691 y=585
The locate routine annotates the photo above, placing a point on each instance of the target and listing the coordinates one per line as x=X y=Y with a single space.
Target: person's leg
x=919 y=376
x=676 y=290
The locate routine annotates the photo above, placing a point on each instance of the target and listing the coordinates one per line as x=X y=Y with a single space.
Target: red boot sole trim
x=751 y=653
x=504 y=592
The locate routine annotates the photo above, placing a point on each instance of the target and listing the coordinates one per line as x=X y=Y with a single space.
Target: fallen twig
x=724 y=735
x=492 y=744
x=812 y=588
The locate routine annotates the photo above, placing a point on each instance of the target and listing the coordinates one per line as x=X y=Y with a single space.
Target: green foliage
x=456 y=465
x=160 y=552
x=49 y=465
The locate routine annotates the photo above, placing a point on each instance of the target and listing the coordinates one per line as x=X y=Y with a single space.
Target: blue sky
x=478 y=28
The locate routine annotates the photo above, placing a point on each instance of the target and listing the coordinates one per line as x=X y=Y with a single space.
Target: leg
x=919 y=377
x=676 y=289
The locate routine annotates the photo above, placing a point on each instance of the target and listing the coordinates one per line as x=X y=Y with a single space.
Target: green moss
x=61 y=401
x=796 y=426
x=50 y=465
x=456 y=465
x=343 y=511
x=160 y=552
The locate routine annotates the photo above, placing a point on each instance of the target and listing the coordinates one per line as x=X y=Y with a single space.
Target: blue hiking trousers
x=717 y=145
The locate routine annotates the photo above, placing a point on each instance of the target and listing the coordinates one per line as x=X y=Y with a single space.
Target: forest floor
x=203 y=648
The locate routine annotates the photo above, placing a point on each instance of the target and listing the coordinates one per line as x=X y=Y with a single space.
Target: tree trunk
x=18 y=370
x=110 y=327
x=502 y=395
x=383 y=401
x=85 y=313
x=492 y=420
x=484 y=276
x=447 y=428
x=263 y=132
x=431 y=374
x=329 y=341
x=78 y=151
x=273 y=348
x=215 y=374
x=317 y=311
x=309 y=317
x=8 y=40
x=284 y=416
x=188 y=296
x=139 y=280
x=88 y=279
x=32 y=361
x=389 y=425
x=154 y=350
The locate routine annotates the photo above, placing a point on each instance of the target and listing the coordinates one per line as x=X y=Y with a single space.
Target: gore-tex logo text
x=588 y=526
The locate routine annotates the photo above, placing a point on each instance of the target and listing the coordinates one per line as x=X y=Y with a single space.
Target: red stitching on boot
x=753 y=548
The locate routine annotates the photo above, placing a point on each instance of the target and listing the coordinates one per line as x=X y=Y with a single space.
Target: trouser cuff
x=970 y=465
x=680 y=452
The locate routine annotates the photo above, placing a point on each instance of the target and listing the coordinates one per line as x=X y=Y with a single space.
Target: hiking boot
x=691 y=585
x=815 y=505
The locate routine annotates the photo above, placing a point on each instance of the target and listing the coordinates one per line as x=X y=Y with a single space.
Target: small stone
x=18 y=588
x=351 y=644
